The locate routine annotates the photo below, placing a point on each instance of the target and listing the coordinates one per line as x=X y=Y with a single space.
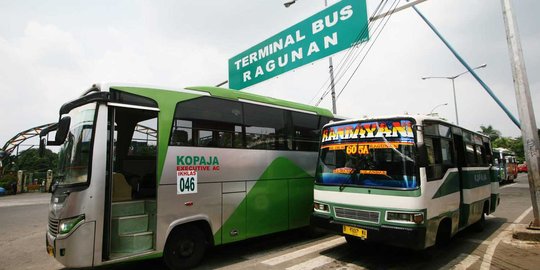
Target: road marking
x=313 y=263
x=488 y=256
x=479 y=242
x=462 y=262
x=303 y=252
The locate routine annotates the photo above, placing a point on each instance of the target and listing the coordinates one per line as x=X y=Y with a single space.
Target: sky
x=52 y=51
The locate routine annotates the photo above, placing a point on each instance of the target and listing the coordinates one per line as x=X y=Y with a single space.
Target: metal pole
x=331 y=70
x=222 y=83
x=488 y=90
x=455 y=100
x=525 y=109
x=332 y=86
x=431 y=112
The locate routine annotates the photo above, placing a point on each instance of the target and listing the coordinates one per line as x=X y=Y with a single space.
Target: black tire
x=354 y=242
x=184 y=248
x=480 y=224
x=443 y=234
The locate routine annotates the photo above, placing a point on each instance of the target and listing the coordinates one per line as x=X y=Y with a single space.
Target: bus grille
x=360 y=215
x=53 y=226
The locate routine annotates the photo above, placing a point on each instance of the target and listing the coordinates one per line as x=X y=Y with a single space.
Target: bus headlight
x=321 y=207
x=66 y=225
x=407 y=217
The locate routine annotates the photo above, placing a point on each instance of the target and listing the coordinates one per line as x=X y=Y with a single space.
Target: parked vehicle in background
x=505 y=162
x=522 y=167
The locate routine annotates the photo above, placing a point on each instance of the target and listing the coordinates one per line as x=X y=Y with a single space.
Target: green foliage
x=30 y=161
x=489 y=131
x=497 y=140
x=6 y=181
x=513 y=144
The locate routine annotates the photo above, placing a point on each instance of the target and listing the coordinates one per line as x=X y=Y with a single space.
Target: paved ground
x=23 y=221
x=34 y=198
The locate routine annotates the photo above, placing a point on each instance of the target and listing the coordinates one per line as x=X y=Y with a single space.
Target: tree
x=513 y=144
x=489 y=131
x=30 y=160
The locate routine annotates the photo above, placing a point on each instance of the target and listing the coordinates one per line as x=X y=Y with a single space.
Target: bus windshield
x=74 y=154
x=377 y=154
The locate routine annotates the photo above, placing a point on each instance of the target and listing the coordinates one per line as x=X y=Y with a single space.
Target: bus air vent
x=53 y=226
x=359 y=215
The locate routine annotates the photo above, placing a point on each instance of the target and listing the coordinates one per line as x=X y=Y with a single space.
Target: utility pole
x=525 y=109
x=331 y=70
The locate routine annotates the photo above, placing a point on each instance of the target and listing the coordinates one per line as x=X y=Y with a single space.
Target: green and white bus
x=408 y=181
x=147 y=172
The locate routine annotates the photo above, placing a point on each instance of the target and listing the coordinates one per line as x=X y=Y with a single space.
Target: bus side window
x=470 y=155
x=219 y=127
x=306 y=131
x=440 y=150
x=182 y=133
x=434 y=168
x=265 y=127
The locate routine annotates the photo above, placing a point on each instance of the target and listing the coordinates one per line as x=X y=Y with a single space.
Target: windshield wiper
x=349 y=178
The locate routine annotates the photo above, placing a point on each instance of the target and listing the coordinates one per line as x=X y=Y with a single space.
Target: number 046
x=186 y=185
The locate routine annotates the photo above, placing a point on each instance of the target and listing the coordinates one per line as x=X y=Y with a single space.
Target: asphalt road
x=24 y=220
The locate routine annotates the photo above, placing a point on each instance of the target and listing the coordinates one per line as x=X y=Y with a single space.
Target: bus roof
x=503 y=150
x=418 y=118
x=226 y=93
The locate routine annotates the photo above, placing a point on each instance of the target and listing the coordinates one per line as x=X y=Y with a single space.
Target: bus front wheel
x=184 y=248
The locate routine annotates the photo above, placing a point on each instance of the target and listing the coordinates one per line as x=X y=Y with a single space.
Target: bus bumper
x=75 y=249
x=413 y=238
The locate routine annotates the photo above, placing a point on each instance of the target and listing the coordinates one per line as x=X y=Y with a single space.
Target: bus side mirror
x=62 y=131
x=43 y=137
x=42 y=144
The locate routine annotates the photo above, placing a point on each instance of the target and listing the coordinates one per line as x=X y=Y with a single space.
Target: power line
x=354 y=52
x=347 y=56
x=363 y=58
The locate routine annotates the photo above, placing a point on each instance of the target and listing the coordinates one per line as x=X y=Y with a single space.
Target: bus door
x=461 y=162
x=130 y=209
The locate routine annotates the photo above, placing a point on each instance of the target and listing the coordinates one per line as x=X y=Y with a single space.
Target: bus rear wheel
x=184 y=248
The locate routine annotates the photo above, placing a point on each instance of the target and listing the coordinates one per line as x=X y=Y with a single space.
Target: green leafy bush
x=6 y=181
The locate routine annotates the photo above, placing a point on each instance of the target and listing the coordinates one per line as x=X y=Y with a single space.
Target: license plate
x=355 y=231
x=50 y=250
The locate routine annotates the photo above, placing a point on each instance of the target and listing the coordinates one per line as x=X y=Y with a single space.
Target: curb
x=522 y=232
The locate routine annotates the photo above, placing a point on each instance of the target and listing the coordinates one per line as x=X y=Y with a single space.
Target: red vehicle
x=522 y=167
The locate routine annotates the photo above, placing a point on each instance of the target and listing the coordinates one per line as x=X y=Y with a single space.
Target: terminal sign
x=332 y=30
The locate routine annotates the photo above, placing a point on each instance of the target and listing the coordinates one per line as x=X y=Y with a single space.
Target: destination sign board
x=329 y=31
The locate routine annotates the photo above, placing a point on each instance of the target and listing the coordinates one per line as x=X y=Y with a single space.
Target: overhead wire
x=354 y=52
x=385 y=21
x=349 y=52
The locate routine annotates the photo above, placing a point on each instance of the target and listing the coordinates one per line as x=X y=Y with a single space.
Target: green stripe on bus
x=449 y=186
x=476 y=178
x=276 y=203
x=471 y=179
x=375 y=191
